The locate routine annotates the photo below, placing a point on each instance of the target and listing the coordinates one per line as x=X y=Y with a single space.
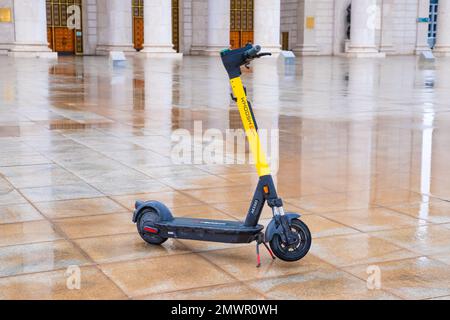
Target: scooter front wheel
x=293 y=252
x=149 y=217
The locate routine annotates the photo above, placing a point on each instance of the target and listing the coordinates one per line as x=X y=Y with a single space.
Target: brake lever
x=263 y=54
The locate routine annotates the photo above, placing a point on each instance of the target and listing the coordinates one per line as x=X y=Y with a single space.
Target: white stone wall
x=404 y=26
x=329 y=25
x=186 y=26
x=90 y=26
x=325 y=26
x=6 y=29
x=289 y=20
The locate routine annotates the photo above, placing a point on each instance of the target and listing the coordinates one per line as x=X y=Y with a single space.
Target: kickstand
x=259 y=241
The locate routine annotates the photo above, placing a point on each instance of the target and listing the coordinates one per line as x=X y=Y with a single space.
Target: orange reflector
x=266 y=189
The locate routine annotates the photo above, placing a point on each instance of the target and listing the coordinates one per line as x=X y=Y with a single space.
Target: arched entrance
x=64 y=26
x=241 y=22
x=137 y=7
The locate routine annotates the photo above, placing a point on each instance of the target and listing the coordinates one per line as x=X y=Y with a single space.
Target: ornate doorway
x=241 y=19
x=138 y=24
x=64 y=26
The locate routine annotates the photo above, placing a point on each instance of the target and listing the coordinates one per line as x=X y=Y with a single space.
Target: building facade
x=357 y=28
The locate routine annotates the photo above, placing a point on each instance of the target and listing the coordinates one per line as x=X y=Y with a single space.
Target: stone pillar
x=158 y=28
x=423 y=11
x=362 y=34
x=386 y=41
x=30 y=30
x=199 y=26
x=216 y=21
x=267 y=25
x=442 y=47
x=114 y=26
x=306 y=33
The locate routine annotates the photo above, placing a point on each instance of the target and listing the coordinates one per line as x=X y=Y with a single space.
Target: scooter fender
x=163 y=212
x=272 y=229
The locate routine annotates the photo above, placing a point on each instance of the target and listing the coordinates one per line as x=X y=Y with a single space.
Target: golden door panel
x=60 y=37
x=137 y=7
x=64 y=40
x=138 y=33
x=176 y=25
x=241 y=22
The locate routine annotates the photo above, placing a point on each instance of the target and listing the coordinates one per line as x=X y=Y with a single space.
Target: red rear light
x=150 y=230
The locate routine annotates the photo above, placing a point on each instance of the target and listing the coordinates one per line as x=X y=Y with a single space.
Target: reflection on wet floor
x=363 y=154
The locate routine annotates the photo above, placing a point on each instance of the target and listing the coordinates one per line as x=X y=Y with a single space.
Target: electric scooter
x=288 y=236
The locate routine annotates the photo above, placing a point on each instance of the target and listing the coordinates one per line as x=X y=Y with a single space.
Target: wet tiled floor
x=364 y=147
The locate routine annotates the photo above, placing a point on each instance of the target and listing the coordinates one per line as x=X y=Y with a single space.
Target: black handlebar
x=234 y=59
x=253 y=52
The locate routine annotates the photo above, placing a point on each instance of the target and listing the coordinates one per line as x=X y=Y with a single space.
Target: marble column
x=214 y=17
x=423 y=11
x=30 y=30
x=306 y=35
x=114 y=26
x=386 y=40
x=158 y=29
x=442 y=47
x=267 y=25
x=362 y=34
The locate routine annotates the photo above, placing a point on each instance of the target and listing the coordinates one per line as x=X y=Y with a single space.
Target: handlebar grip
x=253 y=52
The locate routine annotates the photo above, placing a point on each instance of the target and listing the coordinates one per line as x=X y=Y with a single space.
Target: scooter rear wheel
x=149 y=217
x=295 y=252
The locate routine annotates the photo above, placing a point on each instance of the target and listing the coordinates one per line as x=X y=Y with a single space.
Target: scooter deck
x=209 y=230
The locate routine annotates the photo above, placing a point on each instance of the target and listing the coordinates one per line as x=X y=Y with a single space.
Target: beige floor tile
x=323 y=284
x=173 y=171
x=430 y=239
x=436 y=211
x=18 y=213
x=38 y=176
x=10 y=197
x=93 y=226
x=38 y=257
x=27 y=232
x=418 y=278
x=123 y=247
x=171 y=199
x=241 y=263
x=78 y=207
x=357 y=249
x=323 y=227
x=53 y=285
x=63 y=192
x=201 y=211
x=196 y=182
x=374 y=219
x=164 y=274
x=221 y=195
x=235 y=291
x=329 y=202
x=129 y=186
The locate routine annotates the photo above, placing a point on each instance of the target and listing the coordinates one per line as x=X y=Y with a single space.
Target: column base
x=421 y=48
x=303 y=50
x=387 y=49
x=23 y=50
x=160 y=51
x=104 y=50
x=275 y=50
x=363 y=52
x=211 y=51
x=442 y=51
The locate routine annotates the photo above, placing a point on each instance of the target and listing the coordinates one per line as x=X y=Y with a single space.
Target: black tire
x=149 y=217
x=289 y=253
